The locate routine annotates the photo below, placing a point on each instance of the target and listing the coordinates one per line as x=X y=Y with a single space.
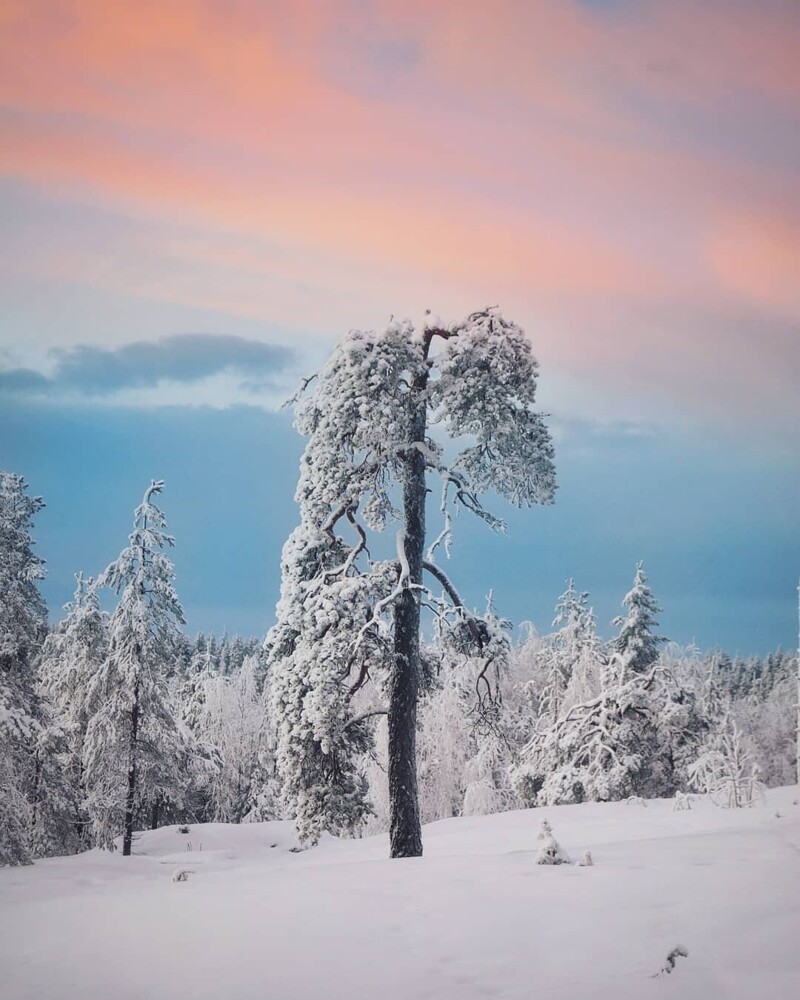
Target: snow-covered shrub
x=682 y=802
x=726 y=769
x=552 y=853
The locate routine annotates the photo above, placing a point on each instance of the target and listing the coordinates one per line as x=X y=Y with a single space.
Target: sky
x=198 y=198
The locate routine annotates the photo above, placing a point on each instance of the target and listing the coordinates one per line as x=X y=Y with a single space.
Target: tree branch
x=306 y=382
x=442 y=577
x=364 y=716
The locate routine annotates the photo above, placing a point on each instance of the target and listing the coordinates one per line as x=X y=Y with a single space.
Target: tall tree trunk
x=130 y=798
x=405 y=832
x=155 y=814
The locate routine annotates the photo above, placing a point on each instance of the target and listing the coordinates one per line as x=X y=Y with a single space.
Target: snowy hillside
x=476 y=917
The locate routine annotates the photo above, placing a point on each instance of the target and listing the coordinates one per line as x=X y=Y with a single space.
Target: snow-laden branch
x=373 y=713
x=445 y=581
x=304 y=384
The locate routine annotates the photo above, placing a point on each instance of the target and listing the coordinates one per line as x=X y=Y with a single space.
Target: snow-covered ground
x=474 y=918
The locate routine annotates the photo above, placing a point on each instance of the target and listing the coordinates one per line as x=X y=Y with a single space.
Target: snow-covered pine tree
x=604 y=749
x=191 y=692
x=72 y=654
x=566 y=650
x=23 y=618
x=346 y=617
x=637 y=642
x=133 y=749
x=586 y=680
x=265 y=787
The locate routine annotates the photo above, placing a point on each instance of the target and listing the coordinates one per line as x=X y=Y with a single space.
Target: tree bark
x=130 y=798
x=405 y=831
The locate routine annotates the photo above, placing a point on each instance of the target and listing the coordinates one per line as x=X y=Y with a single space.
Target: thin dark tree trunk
x=130 y=798
x=405 y=832
x=81 y=830
x=155 y=814
x=37 y=775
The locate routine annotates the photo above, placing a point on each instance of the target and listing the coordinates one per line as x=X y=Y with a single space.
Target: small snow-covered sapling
x=681 y=802
x=586 y=861
x=552 y=853
x=545 y=831
x=182 y=874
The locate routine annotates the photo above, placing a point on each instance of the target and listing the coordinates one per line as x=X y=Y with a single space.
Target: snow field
x=475 y=917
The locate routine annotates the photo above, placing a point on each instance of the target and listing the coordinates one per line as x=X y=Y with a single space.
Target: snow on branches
x=637 y=640
x=133 y=751
x=377 y=418
x=32 y=793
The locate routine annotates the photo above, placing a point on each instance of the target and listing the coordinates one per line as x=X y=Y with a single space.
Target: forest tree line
x=558 y=717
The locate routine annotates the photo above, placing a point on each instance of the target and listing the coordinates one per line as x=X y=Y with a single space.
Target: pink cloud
x=592 y=166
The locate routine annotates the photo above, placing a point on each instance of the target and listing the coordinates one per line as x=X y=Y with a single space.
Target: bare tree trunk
x=37 y=776
x=130 y=798
x=155 y=814
x=405 y=832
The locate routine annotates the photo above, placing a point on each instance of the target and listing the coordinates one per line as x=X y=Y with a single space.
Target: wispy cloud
x=621 y=177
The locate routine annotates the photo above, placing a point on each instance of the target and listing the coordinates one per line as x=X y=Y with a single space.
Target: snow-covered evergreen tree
x=71 y=656
x=22 y=630
x=604 y=749
x=637 y=642
x=133 y=752
x=192 y=692
x=570 y=655
x=36 y=804
x=346 y=617
x=562 y=651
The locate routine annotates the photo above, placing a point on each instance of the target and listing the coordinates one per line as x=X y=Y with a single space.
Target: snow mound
x=216 y=842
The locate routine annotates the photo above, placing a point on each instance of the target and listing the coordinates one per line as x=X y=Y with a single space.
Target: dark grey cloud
x=188 y=357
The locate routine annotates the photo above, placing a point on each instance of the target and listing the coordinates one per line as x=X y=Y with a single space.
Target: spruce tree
x=637 y=643
x=23 y=618
x=133 y=751
x=565 y=648
x=73 y=653
x=36 y=805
